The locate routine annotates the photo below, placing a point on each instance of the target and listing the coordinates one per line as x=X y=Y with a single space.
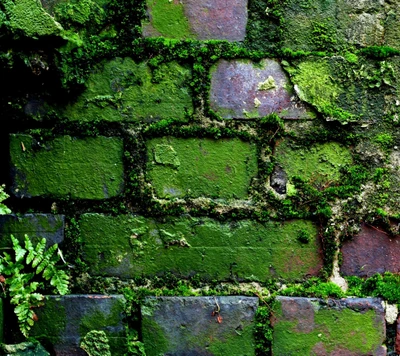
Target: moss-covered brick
x=196 y=329
x=129 y=246
x=307 y=326
x=202 y=20
x=328 y=25
x=243 y=89
x=121 y=90
x=201 y=167
x=36 y=226
x=65 y=321
x=29 y=17
x=318 y=163
x=347 y=89
x=89 y=168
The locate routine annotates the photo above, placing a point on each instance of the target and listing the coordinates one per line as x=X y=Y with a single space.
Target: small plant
x=3 y=196
x=21 y=276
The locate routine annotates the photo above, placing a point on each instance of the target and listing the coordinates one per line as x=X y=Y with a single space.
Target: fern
x=19 y=273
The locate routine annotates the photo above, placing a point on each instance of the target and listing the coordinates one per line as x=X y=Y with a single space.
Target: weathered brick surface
x=129 y=246
x=214 y=168
x=199 y=325
x=121 y=90
x=36 y=226
x=370 y=251
x=199 y=19
x=64 y=321
x=242 y=89
x=88 y=168
x=340 y=21
x=309 y=326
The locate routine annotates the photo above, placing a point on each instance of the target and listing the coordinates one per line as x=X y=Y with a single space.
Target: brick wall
x=198 y=161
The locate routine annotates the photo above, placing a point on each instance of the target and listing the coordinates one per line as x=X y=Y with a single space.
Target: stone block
x=199 y=325
x=243 y=89
x=197 y=19
x=370 y=251
x=345 y=89
x=89 y=168
x=327 y=25
x=128 y=246
x=122 y=90
x=309 y=326
x=320 y=163
x=36 y=226
x=214 y=168
x=64 y=321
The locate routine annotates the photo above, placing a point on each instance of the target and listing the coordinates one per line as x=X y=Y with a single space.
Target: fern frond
x=18 y=249
x=47 y=258
x=60 y=280
x=31 y=250
x=39 y=253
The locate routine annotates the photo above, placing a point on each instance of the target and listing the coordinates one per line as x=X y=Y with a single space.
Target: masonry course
x=129 y=246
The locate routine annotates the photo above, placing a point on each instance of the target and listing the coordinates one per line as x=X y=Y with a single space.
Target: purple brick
x=242 y=89
x=198 y=19
x=369 y=252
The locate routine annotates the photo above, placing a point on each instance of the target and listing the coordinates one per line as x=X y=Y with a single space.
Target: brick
x=122 y=91
x=187 y=326
x=197 y=19
x=214 y=168
x=128 y=246
x=36 y=226
x=370 y=252
x=89 y=168
x=242 y=89
x=320 y=163
x=327 y=25
x=309 y=326
x=65 y=320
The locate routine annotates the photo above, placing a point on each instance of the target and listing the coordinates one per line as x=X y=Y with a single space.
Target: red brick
x=371 y=251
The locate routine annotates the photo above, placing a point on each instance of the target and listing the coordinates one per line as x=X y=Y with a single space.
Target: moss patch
x=88 y=168
x=121 y=90
x=201 y=167
x=167 y=19
x=29 y=17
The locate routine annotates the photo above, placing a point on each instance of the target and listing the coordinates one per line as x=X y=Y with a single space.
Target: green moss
x=214 y=168
x=245 y=250
x=29 y=17
x=168 y=19
x=80 y=12
x=88 y=168
x=94 y=319
x=240 y=344
x=121 y=90
x=156 y=342
x=313 y=80
x=320 y=162
x=385 y=140
x=53 y=321
x=95 y=343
